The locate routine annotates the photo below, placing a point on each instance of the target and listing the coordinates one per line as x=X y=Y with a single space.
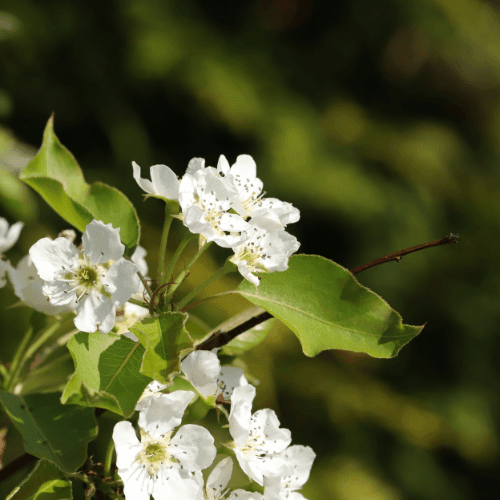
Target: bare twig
x=451 y=238
x=221 y=337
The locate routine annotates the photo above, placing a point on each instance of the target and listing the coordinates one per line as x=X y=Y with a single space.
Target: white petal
x=137 y=483
x=127 y=445
x=228 y=241
x=165 y=182
x=272 y=487
x=187 y=189
x=249 y=467
x=266 y=423
x=194 y=165
x=121 y=281
x=219 y=477
x=202 y=369
x=164 y=413
x=177 y=484
x=144 y=184
x=286 y=212
x=28 y=286
x=245 y=495
x=231 y=377
x=194 y=447
x=138 y=258
x=194 y=220
x=301 y=458
x=50 y=256
x=95 y=312
x=223 y=165
x=233 y=223
x=101 y=242
x=58 y=292
x=247 y=274
x=245 y=166
x=241 y=413
x=9 y=237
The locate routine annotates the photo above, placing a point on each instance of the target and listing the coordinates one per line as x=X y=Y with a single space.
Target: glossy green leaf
x=45 y=482
x=51 y=430
x=55 y=174
x=106 y=372
x=165 y=339
x=326 y=307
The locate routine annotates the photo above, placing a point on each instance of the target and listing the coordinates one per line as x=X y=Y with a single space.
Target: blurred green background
x=380 y=121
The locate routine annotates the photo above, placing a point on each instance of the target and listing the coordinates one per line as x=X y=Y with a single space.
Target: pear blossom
x=164 y=183
x=203 y=370
x=28 y=286
x=266 y=250
x=282 y=488
x=258 y=438
x=204 y=199
x=215 y=488
x=97 y=277
x=9 y=236
x=250 y=201
x=159 y=464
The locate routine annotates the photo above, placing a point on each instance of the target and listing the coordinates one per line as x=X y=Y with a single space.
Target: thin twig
x=451 y=238
x=221 y=338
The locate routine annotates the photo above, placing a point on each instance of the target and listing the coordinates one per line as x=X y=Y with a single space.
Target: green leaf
x=55 y=174
x=45 y=482
x=165 y=339
x=326 y=307
x=106 y=372
x=51 y=430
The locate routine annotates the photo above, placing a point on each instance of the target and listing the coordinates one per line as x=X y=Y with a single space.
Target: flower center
x=154 y=454
x=84 y=277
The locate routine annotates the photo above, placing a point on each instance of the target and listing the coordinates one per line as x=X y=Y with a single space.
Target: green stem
x=173 y=261
x=109 y=456
x=228 y=267
x=15 y=366
x=44 y=337
x=145 y=283
x=163 y=245
x=182 y=275
x=137 y=302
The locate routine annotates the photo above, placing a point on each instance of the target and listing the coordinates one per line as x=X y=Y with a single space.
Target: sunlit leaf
x=106 y=372
x=326 y=307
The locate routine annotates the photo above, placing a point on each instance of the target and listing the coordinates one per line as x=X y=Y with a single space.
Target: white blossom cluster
x=227 y=205
x=167 y=465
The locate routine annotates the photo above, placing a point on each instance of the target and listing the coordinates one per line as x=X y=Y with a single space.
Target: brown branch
x=451 y=238
x=220 y=337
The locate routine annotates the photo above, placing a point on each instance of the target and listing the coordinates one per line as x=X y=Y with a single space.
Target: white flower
x=204 y=199
x=266 y=250
x=98 y=277
x=301 y=459
x=250 y=201
x=28 y=286
x=164 y=183
x=203 y=370
x=258 y=439
x=9 y=236
x=217 y=482
x=162 y=465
